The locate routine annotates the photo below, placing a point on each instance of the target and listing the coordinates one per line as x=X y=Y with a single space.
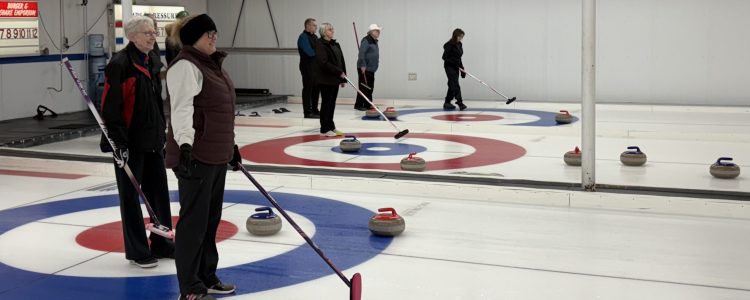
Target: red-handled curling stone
x=387 y=223
x=413 y=163
x=564 y=117
x=573 y=157
x=391 y=113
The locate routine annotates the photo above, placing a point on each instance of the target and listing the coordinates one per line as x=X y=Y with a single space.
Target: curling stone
x=573 y=157
x=350 y=144
x=372 y=113
x=263 y=223
x=725 y=170
x=633 y=157
x=564 y=117
x=413 y=163
x=386 y=223
x=390 y=113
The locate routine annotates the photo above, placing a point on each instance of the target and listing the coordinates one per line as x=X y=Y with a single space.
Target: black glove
x=183 y=169
x=236 y=159
x=121 y=156
x=463 y=74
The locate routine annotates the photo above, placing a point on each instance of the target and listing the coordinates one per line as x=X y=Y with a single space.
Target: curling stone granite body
x=387 y=223
x=724 y=170
x=633 y=157
x=372 y=113
x=390 y=113
x=264 y=223
x=573 y=157
x=564 y=117
x=350 y=144
x=413 y=163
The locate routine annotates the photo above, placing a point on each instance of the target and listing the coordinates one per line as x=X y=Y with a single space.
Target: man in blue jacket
x=306 y=47
x=367 y=65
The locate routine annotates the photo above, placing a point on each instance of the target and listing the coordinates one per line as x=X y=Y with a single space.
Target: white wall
x=693 y=52
x=24 y=86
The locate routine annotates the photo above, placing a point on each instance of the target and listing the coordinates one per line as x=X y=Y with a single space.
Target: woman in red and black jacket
x=132 y=110
x=452 y=52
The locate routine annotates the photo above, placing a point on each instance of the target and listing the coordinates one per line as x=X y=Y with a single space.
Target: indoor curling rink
x=59 y=234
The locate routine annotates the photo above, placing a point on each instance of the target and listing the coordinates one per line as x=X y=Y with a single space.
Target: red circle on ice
x=467 y=117
x=108 y=237
x=487 y=152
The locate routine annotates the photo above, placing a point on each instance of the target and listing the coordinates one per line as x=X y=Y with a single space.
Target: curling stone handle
x=354 y=138
x=411 y=155
x=564 y=112
x=577 y=150
x=388 y=209
x=721 y=159
x=636 y=148
x=266 y=209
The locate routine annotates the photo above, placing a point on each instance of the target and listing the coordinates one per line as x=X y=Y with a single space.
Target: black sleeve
x=112 y=106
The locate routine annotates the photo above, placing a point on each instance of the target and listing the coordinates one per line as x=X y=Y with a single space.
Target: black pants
x=454 y=90
x=310 y=92
x=148 y=169
x=328 y=95
x=370 y=81
x=201 y=198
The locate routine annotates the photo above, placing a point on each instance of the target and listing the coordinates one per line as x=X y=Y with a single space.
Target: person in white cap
x=367 y=65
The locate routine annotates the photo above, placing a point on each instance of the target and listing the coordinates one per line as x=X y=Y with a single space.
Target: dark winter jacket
x=452 y=53
x=330 y=62
x=306 y=48
x=369 y=54
x=213 y=111
x=132 y=107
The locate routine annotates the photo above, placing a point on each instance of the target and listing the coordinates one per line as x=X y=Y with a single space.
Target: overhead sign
x=163 y=15
x=18 y=9
x=19 y=28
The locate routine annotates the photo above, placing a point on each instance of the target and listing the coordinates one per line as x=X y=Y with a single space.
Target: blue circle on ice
x=340 y=232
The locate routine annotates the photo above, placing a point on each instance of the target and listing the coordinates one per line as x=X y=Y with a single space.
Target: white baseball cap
x=375 y=27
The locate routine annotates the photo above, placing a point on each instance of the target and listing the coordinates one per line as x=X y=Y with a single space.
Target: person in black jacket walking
x=367 y=64
x=132 y=110
x=306 y=48
x=452 y=52
x=330 y=75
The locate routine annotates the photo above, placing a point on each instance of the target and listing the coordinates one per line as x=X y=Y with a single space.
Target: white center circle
x=378 y=148
x=48 y=245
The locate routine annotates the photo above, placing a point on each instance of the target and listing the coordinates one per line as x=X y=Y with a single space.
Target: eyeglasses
x=150 y=33
x=212 y=34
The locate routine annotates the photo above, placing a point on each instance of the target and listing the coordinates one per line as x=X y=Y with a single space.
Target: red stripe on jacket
x=128 y=100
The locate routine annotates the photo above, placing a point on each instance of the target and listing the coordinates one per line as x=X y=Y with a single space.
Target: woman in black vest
x=452 y=52
x=202 y=99
x=330 y=75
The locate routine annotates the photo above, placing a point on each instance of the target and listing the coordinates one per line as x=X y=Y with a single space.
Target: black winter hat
x=192 y=31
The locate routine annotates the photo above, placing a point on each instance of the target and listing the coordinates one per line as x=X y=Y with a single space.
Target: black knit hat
x=192 y=31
